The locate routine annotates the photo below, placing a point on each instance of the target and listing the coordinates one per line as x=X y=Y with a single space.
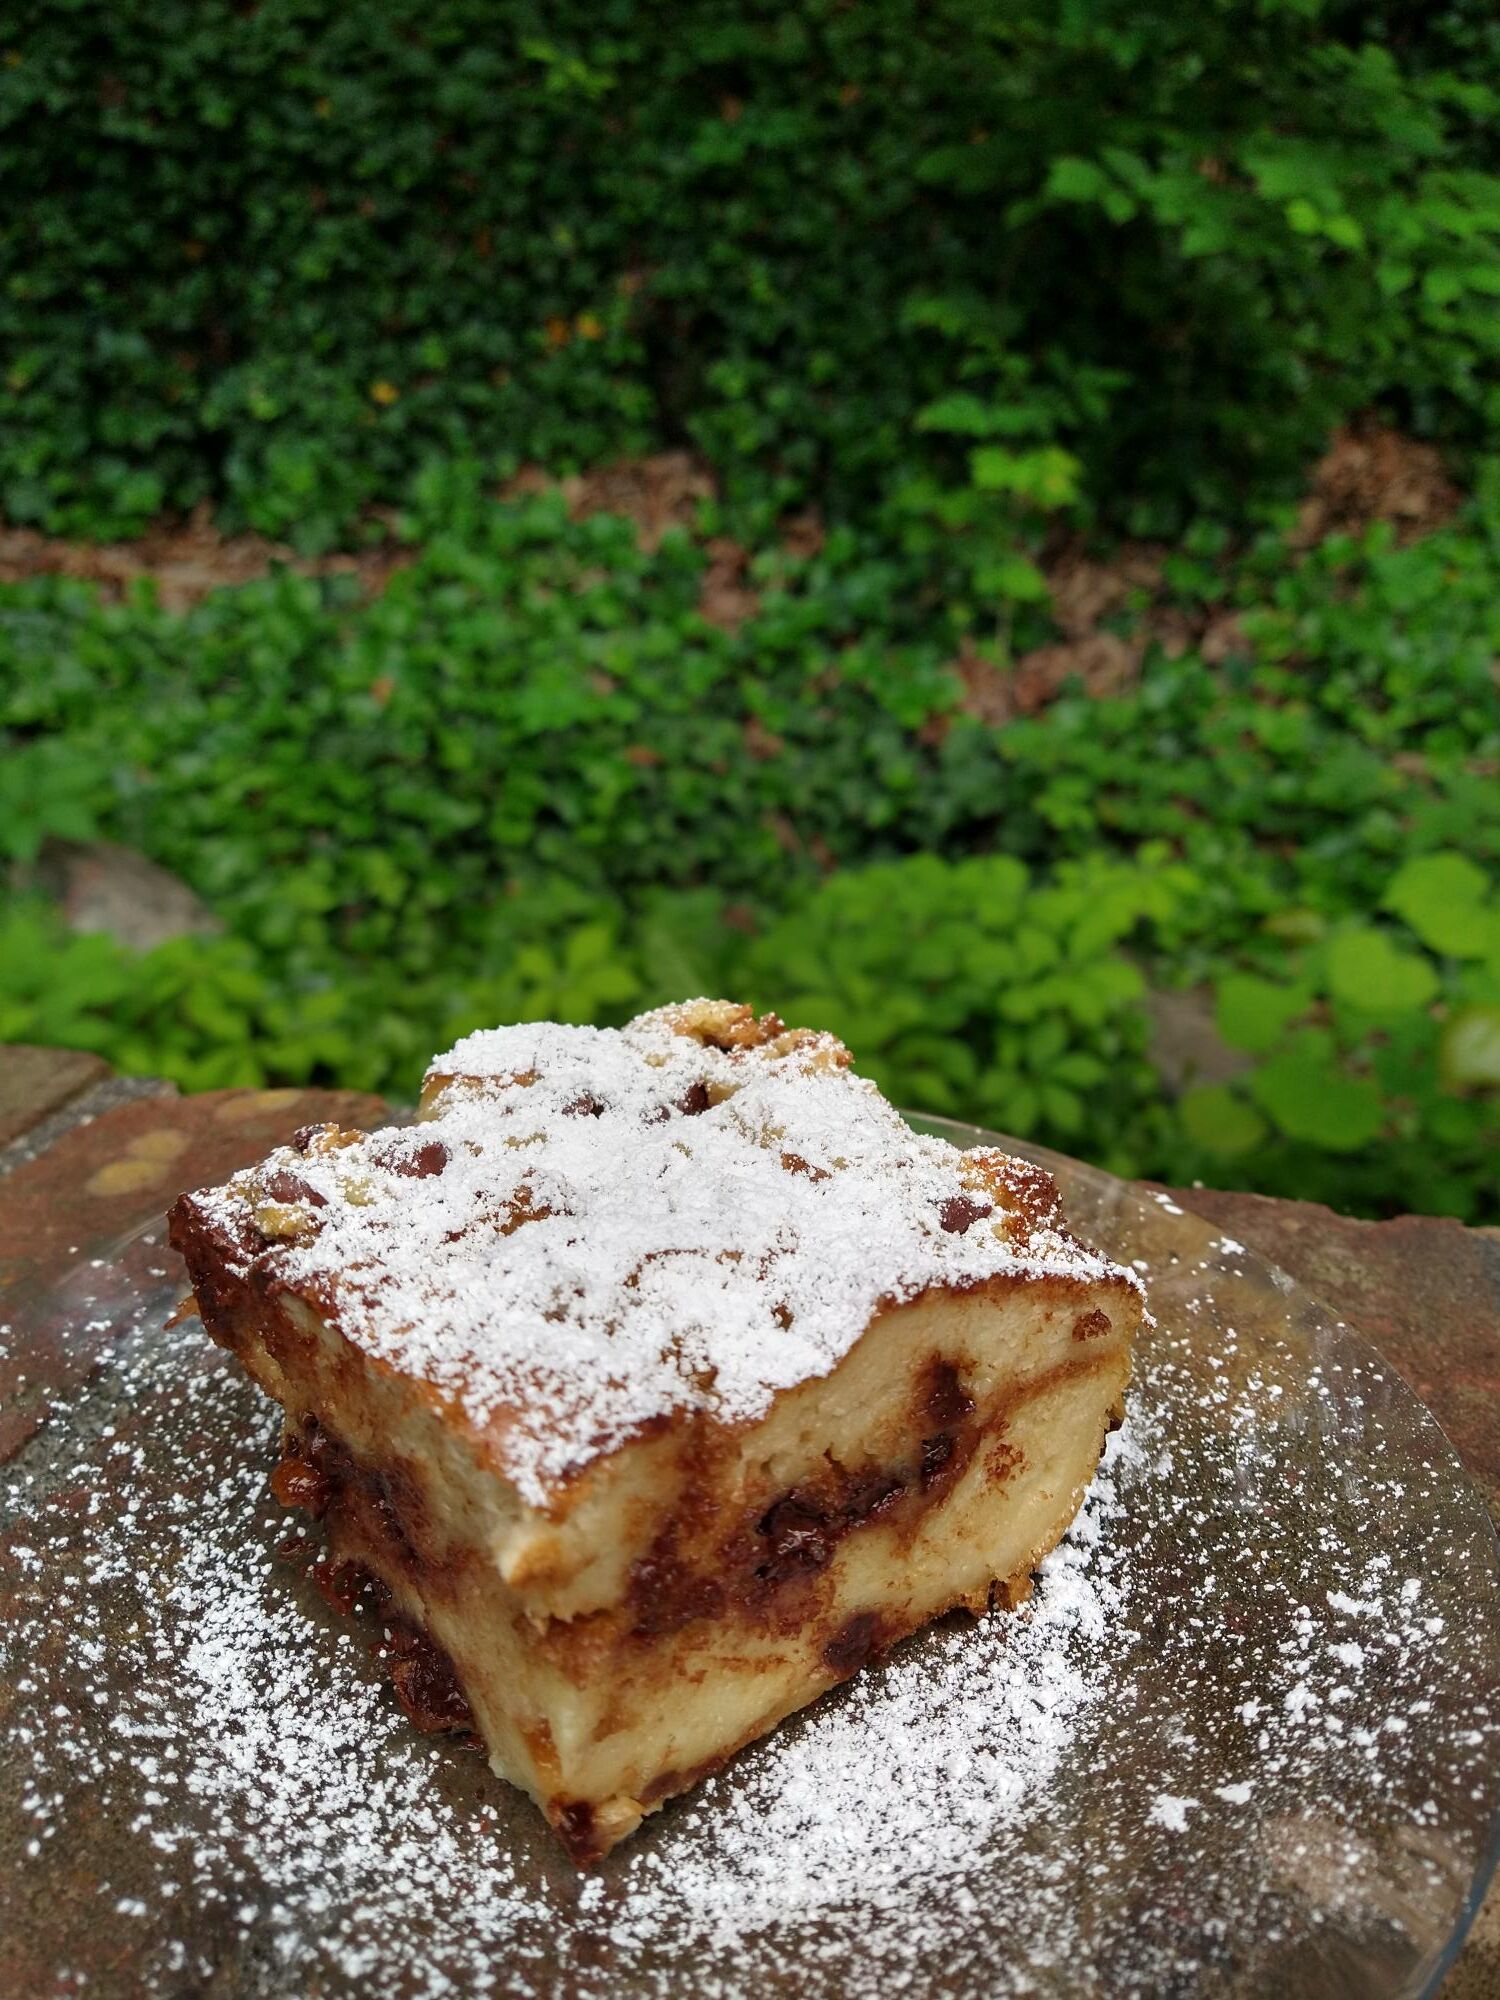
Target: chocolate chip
x=575 y=1827
x=428 y=1688
x=586 y=1106
x=283 y=1186
x=342 y=1582
x=853 y=1643
x=960 y=1210
x=666 y=1594
x=799 y=1540
x=304 y=1135
x=945 y=1400
x=870 y=1497
x=415 y=1163
x=1093 y=1325
x=693 y=1100
x=936 y=1452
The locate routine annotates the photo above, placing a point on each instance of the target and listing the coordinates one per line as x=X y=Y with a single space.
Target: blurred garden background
x=973 y=522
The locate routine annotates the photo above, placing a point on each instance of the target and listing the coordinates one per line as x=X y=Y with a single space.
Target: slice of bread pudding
x=660 y=1378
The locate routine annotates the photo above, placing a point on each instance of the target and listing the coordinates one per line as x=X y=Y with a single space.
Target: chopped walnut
x=723 y=1024
x=818 y=1050
x=281 y=1222
x=313 y=1140
x=440 y=1089
x=284 y=1206
x=1024 y=1195
x=522 y=1208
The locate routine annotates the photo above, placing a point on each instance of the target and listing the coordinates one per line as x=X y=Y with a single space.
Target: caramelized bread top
x=591 y=1233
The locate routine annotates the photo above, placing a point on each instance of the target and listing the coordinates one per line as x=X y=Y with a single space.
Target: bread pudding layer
x=664 y=1378
x=948 y=1452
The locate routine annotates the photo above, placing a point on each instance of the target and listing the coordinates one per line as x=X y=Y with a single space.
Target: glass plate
x=1243 y=1741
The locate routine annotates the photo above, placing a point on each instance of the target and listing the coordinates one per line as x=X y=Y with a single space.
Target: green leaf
x=1308 y=1097
x=1371 y=974
x=1345 y=231
x=1073 y=179
x=1295 y=926
x=1469 y=1052
x=1012 y=577
x=1219 y=1121
x=1443 y=898
x=962 y=414
x=1047 y=476
x=1062 y=1108
x=1253 y=1013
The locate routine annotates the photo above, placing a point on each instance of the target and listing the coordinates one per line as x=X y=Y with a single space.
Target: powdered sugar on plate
x=1243 y=1739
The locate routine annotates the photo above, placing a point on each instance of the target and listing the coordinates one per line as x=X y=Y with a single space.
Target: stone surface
x=1186 y=1046
x=35 y=1082
x=93 y=1188
x=100 y=886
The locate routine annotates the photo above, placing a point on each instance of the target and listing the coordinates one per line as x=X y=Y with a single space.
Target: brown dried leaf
x=1373 y=473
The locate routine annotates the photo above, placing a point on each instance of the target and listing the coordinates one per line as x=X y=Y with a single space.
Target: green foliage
x=980 y=522
x=48 y=790
x=1368 y=1037
x=965 y=261
x=532 y=780
x=1445 y=899
x=961 y=276
x=972 y=990
x=532 y=697
x=1356 y=727
x=211 y=1012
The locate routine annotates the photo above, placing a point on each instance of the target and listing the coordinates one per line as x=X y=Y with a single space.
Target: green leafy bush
x=1358 y=723
x=971 y=255
x=972 y=990
x=1378 y=1051
x=211 y=1012
x=963 y=277
x=532 y=696
x=533 y=779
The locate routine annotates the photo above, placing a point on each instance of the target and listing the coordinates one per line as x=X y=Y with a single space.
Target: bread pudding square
x=661 y=1377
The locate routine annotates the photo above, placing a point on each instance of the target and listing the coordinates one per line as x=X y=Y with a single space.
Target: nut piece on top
x=659 y=1378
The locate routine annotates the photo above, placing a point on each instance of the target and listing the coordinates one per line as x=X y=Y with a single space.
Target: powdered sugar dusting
x=1169 y=1767
x=598 y=1227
